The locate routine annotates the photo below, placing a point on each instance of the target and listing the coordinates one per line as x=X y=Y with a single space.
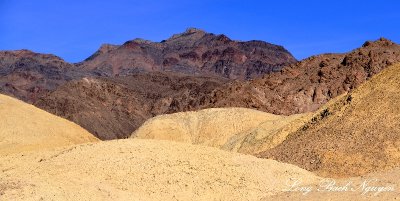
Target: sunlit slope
x=353 y=134
x=134 y=169
x=234 y=129
x=24 y=127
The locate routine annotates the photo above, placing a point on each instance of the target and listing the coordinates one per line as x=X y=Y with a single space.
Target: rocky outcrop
x=123 y=103
x=193 y=52
x=28 y=75
x=127 y=84
x=353 y=134
x=132 y=97
x=112 y=108
x=308 y=84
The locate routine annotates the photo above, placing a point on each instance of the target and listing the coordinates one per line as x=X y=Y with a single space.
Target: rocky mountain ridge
x=193 y=52
x=114 y=106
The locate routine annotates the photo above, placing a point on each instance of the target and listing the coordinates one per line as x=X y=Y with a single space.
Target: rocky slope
x=143 y=170
x=232 y=129
x=308 y=84
x=352 y=135
x=26 y=128
x=298 y=88
x=28 y=75
x=193 y=52
x=112 y=108
x=137 y=80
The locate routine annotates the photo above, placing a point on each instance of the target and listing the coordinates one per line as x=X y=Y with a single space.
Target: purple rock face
x=119 y=87
x=28 y=75
x=308 y=84
x=193 y=52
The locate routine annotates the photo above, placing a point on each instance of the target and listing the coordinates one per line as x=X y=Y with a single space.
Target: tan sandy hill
x=235 y=129
x=24 y=127
x=135 y=169
x=352 y=135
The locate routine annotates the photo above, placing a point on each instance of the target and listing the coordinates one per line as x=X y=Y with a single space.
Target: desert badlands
x=205 y=155
x=201 y=116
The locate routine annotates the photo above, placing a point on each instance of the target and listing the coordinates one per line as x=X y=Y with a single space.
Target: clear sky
x=74 y=29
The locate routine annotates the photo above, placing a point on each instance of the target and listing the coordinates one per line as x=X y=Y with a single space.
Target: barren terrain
x=136 y=169
x=24 y=127
x=353 y=134
x=233 y=129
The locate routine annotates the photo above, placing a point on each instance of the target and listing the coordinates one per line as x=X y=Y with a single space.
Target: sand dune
x=136 y=169
x=24 y=127
x=235 y=129
x=352 y=135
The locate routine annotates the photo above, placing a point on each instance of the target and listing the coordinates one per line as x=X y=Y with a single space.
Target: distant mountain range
x=193 y=52
x=28 y=75
x=116 y=89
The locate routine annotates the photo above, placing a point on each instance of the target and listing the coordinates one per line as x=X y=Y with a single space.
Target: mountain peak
x=380 y=42
x=141 y=41
x=22 y=52
x=192 y=52
x=189 y=31
x=104 y=48
x=194 y=30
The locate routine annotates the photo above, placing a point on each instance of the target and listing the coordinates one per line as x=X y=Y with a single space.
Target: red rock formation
x=28 y=75
x=306 y=85
x=193 y=52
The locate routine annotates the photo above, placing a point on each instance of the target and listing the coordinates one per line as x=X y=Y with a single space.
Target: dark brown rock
x=306 y=85
x=193 y=52
x=28 y=75
x=298 y=88
x=112 y=108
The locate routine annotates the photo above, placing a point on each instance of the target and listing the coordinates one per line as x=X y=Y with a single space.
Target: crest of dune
x=24 y=127
x=234 y=129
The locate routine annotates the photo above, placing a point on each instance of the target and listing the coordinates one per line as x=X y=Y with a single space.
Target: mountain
x=28 y=75
x=352 y=135
x=308 y=84
x=232 y=129
x=193 y=52
x=112 y=108
x=298 y=88
x=24 y=127
x=156 y=78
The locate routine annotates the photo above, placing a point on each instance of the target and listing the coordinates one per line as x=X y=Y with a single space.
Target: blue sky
x=75 y=29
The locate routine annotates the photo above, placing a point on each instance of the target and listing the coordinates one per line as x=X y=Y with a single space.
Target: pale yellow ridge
x=234 y=129
x=24 y=127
